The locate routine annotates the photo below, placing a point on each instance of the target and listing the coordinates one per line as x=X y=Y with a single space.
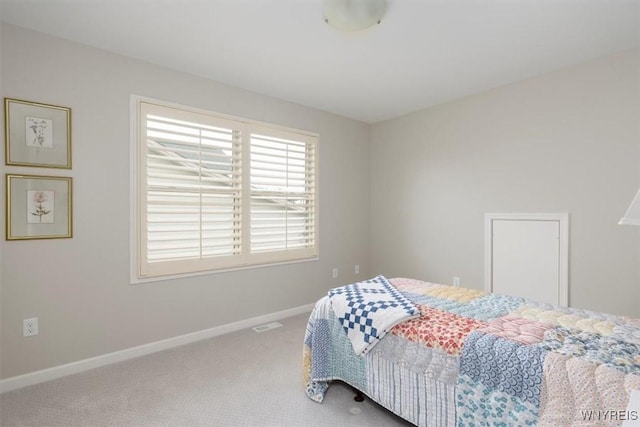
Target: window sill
x=135 y=280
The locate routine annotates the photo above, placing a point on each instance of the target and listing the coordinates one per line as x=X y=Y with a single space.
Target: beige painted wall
x=568 y=141
x=565 y=142
x=1 y=222
x=79 y=288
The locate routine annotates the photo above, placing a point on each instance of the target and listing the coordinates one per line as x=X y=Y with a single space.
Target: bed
x=463 y=357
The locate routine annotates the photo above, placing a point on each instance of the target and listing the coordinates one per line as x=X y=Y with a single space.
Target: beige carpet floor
x=239 y=379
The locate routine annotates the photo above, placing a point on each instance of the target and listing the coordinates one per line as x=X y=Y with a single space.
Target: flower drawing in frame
x=38 y=132
x=40 y=206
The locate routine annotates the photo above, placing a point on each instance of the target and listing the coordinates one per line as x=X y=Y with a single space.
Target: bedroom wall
x=568 y=141
x=1 y=220
x=79 y=288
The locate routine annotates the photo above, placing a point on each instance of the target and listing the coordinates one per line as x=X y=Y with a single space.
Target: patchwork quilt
x=478 y=359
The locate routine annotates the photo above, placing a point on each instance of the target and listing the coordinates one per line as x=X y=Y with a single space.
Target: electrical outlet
x=456 y=282
x=357 y=269
x=335 y=273
x=30 y=327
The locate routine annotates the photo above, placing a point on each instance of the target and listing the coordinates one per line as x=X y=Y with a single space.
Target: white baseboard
x=48 y=374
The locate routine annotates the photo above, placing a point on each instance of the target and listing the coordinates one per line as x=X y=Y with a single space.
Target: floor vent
x=267 y=326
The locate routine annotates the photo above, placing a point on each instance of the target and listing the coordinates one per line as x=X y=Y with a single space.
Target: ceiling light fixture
x=353 y=15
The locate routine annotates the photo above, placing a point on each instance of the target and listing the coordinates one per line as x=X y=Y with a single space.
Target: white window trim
x=270 y=259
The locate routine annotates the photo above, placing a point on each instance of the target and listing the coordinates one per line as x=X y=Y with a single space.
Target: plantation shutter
x=218 y=193
x=193 y=191
x=282 y=192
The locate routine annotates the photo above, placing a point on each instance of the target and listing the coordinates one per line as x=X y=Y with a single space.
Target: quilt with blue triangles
x=368 y=310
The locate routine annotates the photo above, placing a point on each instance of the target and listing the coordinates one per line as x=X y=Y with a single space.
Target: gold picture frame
x=38 y=207
x=36 y=134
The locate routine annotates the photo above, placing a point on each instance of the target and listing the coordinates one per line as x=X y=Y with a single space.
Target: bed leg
x=359 y=397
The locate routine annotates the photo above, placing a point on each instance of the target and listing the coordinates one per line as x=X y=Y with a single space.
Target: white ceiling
x=424 y=52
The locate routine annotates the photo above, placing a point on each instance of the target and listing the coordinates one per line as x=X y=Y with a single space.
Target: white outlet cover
x=30 y=327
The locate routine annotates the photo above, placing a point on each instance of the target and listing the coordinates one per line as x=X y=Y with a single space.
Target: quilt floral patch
x=436 y=328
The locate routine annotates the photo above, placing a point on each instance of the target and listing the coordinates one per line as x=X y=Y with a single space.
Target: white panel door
x=526 y=259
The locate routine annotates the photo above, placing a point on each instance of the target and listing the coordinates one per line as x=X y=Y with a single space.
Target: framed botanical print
x=38 y=207
x=37 y=134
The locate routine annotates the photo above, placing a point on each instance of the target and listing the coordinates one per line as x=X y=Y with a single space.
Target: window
x=217 y=193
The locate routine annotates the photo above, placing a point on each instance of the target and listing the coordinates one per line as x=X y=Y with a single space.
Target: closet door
x=527 y=259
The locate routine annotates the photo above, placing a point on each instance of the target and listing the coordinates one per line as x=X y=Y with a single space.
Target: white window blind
x=216 y=193
x=282 y=194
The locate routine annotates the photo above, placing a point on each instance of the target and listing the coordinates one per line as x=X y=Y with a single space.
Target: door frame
x=563 y=258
